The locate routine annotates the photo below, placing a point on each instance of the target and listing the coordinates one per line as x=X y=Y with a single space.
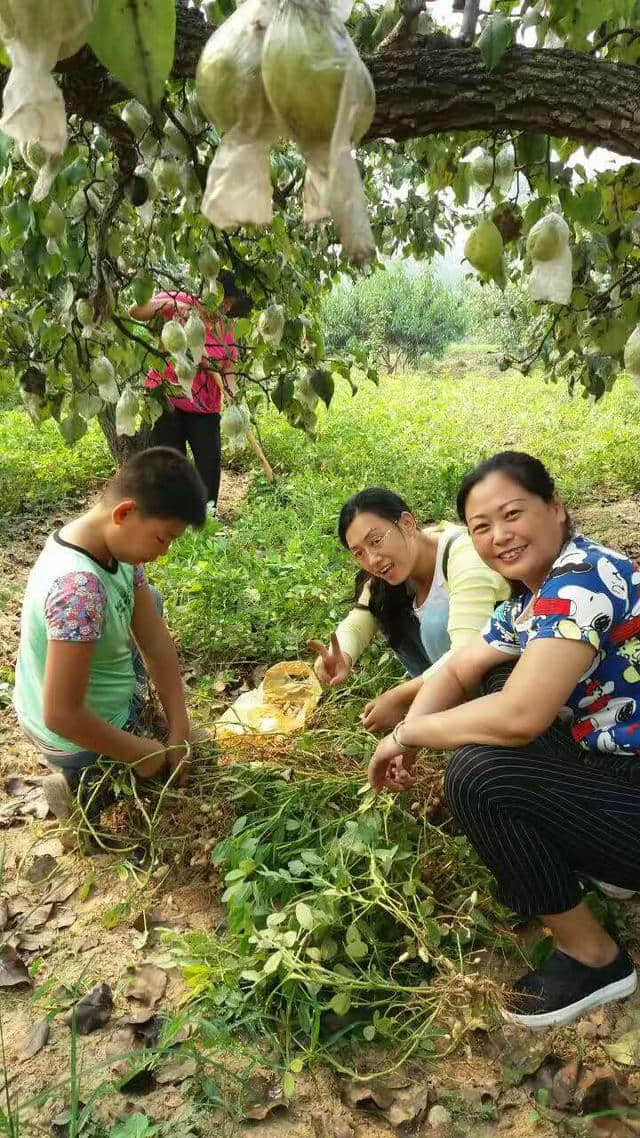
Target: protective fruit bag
x=281 y=705
x=551 y=277
x=322 y=94
x=231 y=95
x=36 y=35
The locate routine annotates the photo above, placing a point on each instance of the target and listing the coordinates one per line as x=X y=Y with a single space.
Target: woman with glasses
x=426 y=590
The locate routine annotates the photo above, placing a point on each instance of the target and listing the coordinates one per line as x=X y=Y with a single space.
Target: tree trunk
x=122 y=447
x=437 y=84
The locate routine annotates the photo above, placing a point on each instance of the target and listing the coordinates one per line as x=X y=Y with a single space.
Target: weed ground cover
x=257 y=592
x=351 y=924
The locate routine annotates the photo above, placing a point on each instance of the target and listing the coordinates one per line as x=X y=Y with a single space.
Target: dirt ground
x=96 y=941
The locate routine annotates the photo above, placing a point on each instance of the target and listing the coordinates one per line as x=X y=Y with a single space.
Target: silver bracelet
x=394 y=733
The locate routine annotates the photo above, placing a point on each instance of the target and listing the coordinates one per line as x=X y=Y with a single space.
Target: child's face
x=134 y=539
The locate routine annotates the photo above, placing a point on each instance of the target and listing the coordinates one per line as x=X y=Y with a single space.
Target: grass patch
x=39 y=472
x=350 y=920
x=280 y=576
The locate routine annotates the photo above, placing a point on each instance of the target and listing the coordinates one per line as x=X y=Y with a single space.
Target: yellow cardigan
x=474 y=590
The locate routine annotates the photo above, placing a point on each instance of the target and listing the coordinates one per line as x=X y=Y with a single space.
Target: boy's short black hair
x=163 y=484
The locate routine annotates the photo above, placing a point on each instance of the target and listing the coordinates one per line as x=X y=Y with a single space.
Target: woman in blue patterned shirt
x=545 y=778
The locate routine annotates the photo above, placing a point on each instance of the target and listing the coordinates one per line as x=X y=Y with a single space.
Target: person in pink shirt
x=196 y=421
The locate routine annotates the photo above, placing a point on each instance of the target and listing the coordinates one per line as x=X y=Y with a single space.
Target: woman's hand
x=332 y=666
x=384 y=711
x=391 y=765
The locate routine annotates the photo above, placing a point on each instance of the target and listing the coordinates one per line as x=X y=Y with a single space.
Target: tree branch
x=436 y=84
x=469 y=21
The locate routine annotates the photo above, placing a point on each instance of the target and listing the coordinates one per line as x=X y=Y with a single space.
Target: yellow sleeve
x=358 y=628
x=474 y=590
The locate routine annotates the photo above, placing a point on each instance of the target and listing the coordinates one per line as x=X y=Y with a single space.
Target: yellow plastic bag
x=281 y=705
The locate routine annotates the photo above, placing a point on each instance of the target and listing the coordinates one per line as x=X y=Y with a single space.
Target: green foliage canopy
x=396 y=315
x=122 y=213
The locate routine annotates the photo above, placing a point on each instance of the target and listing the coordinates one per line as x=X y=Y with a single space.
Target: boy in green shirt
x=86 y=598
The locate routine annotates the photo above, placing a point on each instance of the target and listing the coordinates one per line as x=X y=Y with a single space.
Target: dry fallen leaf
x=564 y=1085
x=265 y=1096
x=121 y=1042
x=176 y=1071
x=37 y=918
x=152 y=919
x=523 y=1060
x=17 y=906
x=93 y=1010
x=4 y=914
x=16 y=785
x=34 y=805
x=626 y=1049
x=597 y=1090
x=62 y=891
x=13 y=971
x=409 y=1105
x=62 y=1124
x=367 y=1095
x=40 y=868
x=63 y=919
x=38 y=941
x=148 y=984
x=37 y=1037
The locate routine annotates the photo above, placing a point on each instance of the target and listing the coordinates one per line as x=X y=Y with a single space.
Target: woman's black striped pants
x=545 y=815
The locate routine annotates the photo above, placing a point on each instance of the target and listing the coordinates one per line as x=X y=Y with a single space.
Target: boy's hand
x=153 y=758
x=177 y=758
x=384 y=712
x=332 y=665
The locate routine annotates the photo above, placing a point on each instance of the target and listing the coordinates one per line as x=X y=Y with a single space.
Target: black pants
x=541 y=815
x=177 y=428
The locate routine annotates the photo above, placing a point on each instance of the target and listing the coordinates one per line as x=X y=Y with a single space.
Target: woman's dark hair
x=522 y=468
x=390 y=604
x=241 y=302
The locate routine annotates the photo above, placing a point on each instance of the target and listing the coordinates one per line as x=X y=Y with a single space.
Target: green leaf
x=113 y=917
x=304 y=916
x=496 y=37
x=72 y=428
x=282 y=393
x=357 y=950
x=272 y=963
x=134 y=40
x=340 y=1003
x=297 y=867
x=323 y=385
x=288 y=1084
x=369 y=1032
x=275 y=919
x=87 y=886
x=135 y=1126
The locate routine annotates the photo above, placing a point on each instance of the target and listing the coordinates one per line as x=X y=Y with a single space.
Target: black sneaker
x=564 y=989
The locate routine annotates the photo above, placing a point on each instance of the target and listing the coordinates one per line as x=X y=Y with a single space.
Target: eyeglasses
x=372 y=546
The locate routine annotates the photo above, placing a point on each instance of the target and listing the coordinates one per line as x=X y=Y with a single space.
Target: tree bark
x=437 y=84
x=122 y=447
